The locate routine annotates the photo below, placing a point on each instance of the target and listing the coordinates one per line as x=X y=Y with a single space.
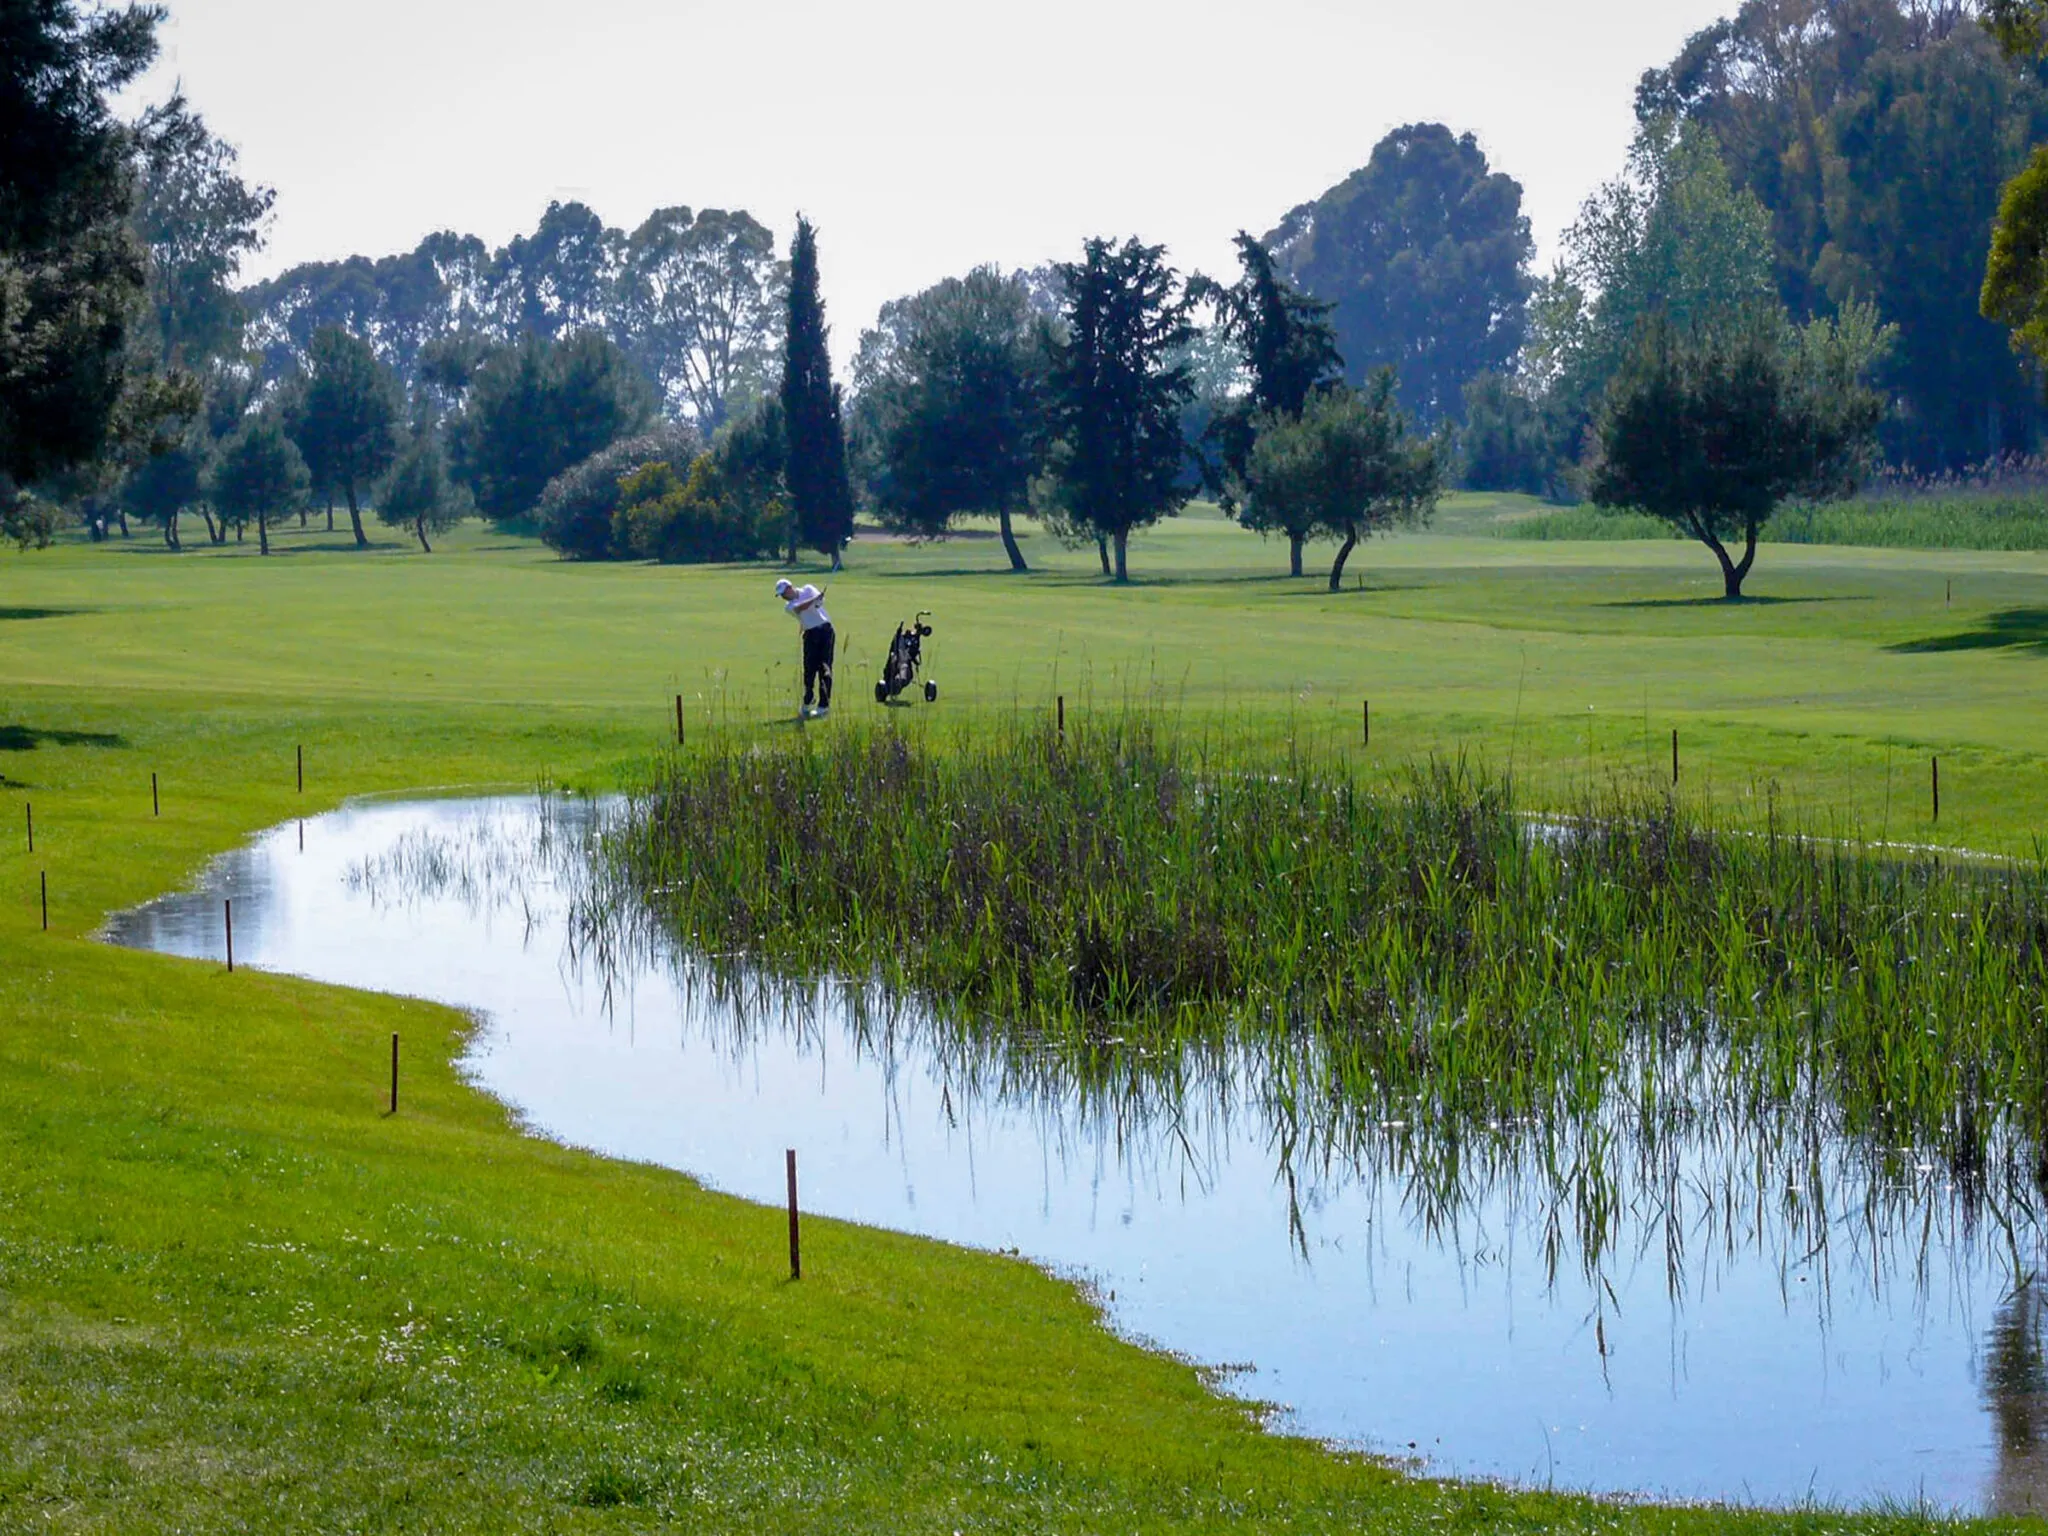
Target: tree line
x=1813 y=192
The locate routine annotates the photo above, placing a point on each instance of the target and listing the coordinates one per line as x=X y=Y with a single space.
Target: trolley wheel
x=881 y=693
x=931 y=692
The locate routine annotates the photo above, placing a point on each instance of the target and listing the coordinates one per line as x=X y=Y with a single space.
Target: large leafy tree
x=198 y=219
x=1672 y=238
x=535 y=410
x=820 y=490
x=559 y=279
x=1288 y=350
x=347 y=429
x=951 y=400
x=1877 y=135
x=1712 y=429
x=1424 y=253
x=1120 y=381
x=258 y=476
x=700 y=298
x=1344 y=466
x=71 y=272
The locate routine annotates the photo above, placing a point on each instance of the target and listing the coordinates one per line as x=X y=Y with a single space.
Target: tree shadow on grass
x=39 y=613
x=23 y=738
x=1722 y=602
x=2010 y=629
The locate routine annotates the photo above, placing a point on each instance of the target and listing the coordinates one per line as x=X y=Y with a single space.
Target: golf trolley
x=906 y=655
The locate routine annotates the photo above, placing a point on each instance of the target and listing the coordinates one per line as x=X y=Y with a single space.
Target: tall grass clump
x=1130 y=888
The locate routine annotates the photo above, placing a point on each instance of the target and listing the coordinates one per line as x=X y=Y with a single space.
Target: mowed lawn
x=235 y=1295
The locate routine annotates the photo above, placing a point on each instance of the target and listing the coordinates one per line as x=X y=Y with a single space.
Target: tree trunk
x=213 y=535
x=171 y=532
x=1733 y=572
x=240 y=529
x=302 y=518
x=122 y=519
x=1122 y=541
x=837 y=563
x=355 y=516
x=263 y=533
x=1010 y=543
x=1102 y=551
x=1343 y=553
x=330 y=510
x=420 y=527
x=1294 y=543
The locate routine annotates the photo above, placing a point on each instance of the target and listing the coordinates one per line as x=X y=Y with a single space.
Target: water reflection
x=1670 y=1291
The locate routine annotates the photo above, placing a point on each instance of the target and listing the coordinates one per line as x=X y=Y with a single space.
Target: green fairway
x=235 y=1295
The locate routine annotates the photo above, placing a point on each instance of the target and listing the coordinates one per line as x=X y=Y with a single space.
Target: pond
x=1707 y=1308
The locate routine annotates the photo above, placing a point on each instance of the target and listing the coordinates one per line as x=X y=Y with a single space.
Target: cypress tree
x=820 y=492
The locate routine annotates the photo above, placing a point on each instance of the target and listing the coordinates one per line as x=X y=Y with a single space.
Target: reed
x=1130 y=888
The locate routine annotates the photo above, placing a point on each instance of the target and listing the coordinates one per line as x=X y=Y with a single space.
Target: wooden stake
x=1368 y=722
x=679 y=719
x=796 y=1260
x=30 y=811
x=1063 y=721
x=156 y=806
x=394 y=1073
x=302 y=837
x=301 y=752
x=1949 y=597
x=46 y=900
x=1935 y=766
x=1674 y=754
x=227 y=912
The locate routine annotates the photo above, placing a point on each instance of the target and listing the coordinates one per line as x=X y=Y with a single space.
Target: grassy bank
x=235 y=1295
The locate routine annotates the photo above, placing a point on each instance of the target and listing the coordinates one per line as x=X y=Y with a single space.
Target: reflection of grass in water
x=1532 y=1010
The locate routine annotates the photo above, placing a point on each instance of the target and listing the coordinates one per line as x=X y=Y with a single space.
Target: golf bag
x=906 y=656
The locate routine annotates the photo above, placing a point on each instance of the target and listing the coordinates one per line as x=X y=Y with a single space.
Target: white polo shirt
x=810 y=612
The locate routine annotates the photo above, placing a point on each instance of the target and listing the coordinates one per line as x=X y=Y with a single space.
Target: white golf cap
x=784 y=585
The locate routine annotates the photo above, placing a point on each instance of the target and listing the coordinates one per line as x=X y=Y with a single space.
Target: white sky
x=921 y=136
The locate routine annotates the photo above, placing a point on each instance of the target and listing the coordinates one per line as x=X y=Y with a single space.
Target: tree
x=1877 y=135
x=820 y=492
x=699 y=298
x=1288 y=348
x=1505 y=444
x=420 y=495
x=1711 y=429
x=560 y=279
x=197 y=219
x=1118 y=392
x=1674 y=238
x=260 y=475
x=71 y=272
x=538 y=409
x=1344 y=466
x=165 y=485
x=1423 y=255
x=577 y=508
x=952 y=394
x=692 y=515
x=348 y=432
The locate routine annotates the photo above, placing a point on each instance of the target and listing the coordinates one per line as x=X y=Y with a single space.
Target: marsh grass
x=1130 y=888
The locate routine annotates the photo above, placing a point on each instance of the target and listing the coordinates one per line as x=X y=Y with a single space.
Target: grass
x=1131 y=888
x=233 y=1294
x=1959 y=520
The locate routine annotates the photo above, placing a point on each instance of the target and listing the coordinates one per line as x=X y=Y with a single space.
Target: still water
x=1745 y=1313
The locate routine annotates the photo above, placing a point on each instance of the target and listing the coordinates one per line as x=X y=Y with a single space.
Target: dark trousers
x=819 y=645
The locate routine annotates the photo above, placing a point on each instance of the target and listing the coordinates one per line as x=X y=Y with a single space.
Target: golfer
x=808 y=604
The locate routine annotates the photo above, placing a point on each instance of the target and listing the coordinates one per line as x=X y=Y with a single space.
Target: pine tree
x=820 y=492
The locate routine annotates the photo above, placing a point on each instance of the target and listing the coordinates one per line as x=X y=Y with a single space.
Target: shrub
x=691 y=518
x=578 y=506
